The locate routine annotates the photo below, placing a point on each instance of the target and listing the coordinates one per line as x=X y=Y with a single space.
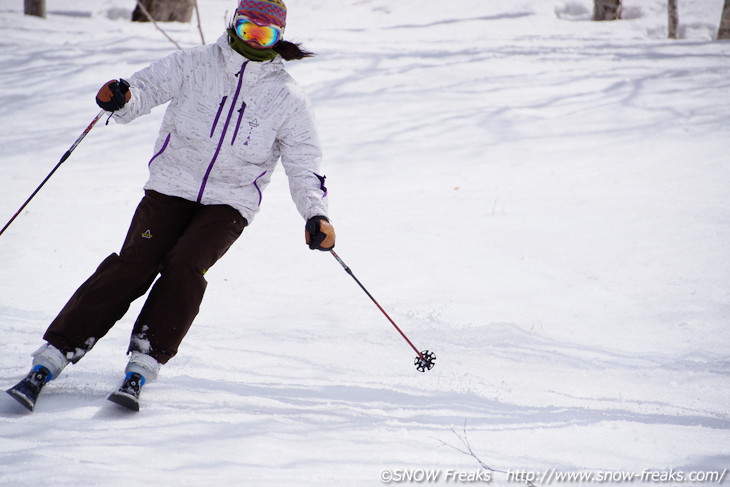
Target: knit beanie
x=266 y=11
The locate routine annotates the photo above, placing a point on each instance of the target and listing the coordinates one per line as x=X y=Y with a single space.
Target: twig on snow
x=466 y=449
x=149 y=17
x=197 y=15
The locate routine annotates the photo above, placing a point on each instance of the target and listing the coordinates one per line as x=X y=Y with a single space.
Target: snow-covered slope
x=541 y=200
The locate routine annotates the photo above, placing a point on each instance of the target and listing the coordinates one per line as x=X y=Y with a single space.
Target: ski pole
x=65 y=156
x=425 y=359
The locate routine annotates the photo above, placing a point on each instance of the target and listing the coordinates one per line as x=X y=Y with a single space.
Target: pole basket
x=425 y=361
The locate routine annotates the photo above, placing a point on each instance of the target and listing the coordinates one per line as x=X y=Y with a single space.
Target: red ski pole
x=65 y=156
x=425 y=359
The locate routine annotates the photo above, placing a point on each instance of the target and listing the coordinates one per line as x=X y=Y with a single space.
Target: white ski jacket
x=228 y=122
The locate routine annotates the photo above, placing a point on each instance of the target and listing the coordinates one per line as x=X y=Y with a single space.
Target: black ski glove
x=319 y=233
x=113 y=95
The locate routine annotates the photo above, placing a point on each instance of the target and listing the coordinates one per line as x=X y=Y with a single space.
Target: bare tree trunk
x=35 y=7
x=673 y=18
x=164 y=10
x=724 y=30
x=606 y=9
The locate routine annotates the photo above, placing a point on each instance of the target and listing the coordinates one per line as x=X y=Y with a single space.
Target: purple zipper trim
x=164 y=146
x=238 y=123
x=223 y=134
x=218 y=115
x=256 y=185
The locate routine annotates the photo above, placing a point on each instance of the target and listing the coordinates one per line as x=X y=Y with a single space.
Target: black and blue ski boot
x=26 y=391
x=128 y=394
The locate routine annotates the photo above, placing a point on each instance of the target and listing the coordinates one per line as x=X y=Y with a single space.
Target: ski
x=128 y=394
x=27 y=390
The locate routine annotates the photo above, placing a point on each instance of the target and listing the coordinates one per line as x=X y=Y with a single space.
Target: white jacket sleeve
x=301 y=156
x=152 y=86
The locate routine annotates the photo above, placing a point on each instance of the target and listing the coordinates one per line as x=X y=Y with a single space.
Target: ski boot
x=128 y=394
x=26 y=391
x=141 y=369
x=48 y=363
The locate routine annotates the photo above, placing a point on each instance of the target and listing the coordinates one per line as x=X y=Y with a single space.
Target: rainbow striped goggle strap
x=249 y=30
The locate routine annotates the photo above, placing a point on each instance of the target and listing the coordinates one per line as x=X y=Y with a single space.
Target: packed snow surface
x=541 y=200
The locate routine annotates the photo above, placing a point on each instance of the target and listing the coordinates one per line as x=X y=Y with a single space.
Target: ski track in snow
x=540 y=200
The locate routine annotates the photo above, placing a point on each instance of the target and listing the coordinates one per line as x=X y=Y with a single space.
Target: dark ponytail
x=290 y=51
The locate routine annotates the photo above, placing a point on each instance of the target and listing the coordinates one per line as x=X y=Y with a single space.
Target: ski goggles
x=248 y=30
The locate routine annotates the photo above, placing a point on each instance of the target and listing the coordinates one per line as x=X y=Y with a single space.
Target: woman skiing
x=233 y=113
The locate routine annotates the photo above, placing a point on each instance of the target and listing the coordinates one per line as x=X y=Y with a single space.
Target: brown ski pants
x=177 y=239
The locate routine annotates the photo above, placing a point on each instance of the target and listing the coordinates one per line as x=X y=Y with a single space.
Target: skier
x=233 y=113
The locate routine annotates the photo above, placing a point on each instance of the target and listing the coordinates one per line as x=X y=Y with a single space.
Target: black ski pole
x=65 y=156
x=425 y=359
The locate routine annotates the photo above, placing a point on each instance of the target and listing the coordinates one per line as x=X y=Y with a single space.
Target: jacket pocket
x=218 y=115
x=256 y=185
x=162 y=149
x=238 y=122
